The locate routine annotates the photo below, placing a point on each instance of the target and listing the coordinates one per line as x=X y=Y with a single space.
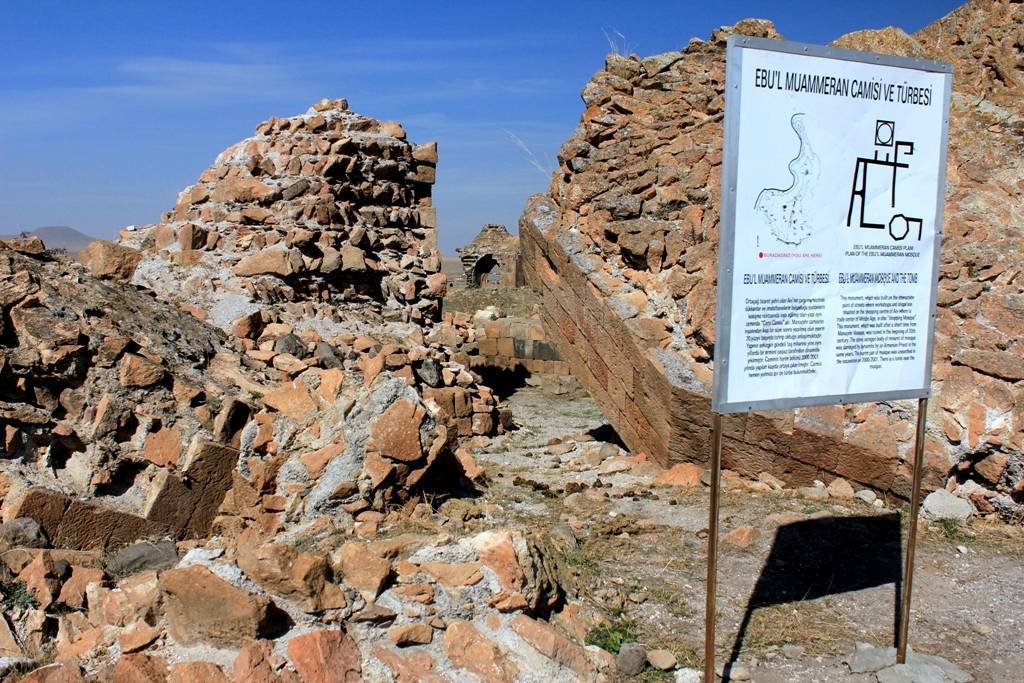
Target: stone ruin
x=622 y=248
x=490 y=322
x=492 y=259
x=205 y=425
x=234 y=384
x=308 y=222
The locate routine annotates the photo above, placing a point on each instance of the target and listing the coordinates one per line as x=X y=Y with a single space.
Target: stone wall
x=521 y=344
x=320 y=220
x=622 y=251
x=515 y=345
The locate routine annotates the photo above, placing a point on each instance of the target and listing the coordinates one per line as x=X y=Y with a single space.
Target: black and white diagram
x=870 y=174
x=785 y=210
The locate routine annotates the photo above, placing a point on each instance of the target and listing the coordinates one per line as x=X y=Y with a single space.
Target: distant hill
x=61 y=236
x=452 y=267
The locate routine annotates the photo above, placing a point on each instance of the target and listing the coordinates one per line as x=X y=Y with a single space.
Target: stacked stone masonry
x=622 y=252
x=310 y=220
x=520 y=344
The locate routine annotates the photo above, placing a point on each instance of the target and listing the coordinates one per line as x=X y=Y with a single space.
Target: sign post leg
x=915 y=496
x=712 y=588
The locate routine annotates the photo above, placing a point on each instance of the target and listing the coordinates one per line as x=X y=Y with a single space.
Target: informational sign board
x=832 y=191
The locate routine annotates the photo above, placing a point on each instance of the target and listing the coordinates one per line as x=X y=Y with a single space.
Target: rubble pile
x=314 y=245
x=622 y=251
x=322 y=220
x=175 y=494
x=125 y=418
x=108 y=397
x=165 y=489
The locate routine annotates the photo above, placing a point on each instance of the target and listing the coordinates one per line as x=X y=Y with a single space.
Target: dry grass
x=810 y=624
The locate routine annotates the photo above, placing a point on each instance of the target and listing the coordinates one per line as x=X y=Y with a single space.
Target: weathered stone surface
x=22 y=532
x=469 y=649
x=412 y=666
x=363 y=570
x=941 y=504
x=203 y=608
x=741 y=537
x=684 y=474
x=293 y=399
x=42 y=579
x=9 y=647
x=110 y=260
x=136 y=371
x=136 y=636
x=72 y=592
x=256 y=662
x=326 y=656
x=303 y=577
x=662 y=660
x=163 y=447
x=549 y=642
x=141 y=668
x=196 y=672
x=396 y=434
x=188 y=509
x=411 y=634
x=454 y=573
x=991 y=467
x=631 y=659
x=141 y=557
x=840 y=488
x=62 y=672
x=280 y=262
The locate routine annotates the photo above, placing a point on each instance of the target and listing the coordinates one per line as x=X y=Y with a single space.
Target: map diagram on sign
x=899 y=224
x=785 y=210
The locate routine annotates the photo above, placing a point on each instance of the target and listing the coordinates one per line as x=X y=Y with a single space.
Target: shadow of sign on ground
x=814 y=558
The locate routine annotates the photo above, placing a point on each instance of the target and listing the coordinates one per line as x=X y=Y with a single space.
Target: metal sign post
x=833 y=183
x=915 y=498
x=711 y=598
x=712 y=589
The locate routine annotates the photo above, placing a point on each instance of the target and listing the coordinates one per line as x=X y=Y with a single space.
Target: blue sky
x=108 y=109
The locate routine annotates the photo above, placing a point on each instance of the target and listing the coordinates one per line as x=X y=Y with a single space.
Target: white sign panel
x=833 y=181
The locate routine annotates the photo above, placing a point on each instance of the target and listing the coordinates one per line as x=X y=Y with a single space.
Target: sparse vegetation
x=612 y=636
x=582 y=563
x=805 y=622
x=16 y=595
x=955 y=532
x=689 y=656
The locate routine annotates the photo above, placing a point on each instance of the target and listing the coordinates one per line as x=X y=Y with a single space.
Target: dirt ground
x=817 y=576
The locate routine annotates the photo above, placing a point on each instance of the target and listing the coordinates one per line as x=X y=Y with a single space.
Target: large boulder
x=110 y=260
x=204 y=609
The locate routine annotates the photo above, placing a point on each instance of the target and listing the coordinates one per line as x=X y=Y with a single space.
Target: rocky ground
x=243 y=445
x=633 y=553
x=369 y=511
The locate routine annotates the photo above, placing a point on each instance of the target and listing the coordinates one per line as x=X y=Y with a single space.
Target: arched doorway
x=484 y=265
